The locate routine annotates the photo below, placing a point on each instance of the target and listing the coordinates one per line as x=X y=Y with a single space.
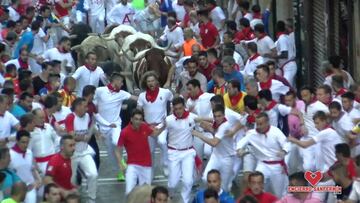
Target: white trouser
x=249 y=161
x=30 y=196
x=308 y=156
x=225 y=166
x=292 y=159
x=290 y=70
x=276 y=181
x=326 y=196
x=111 y=139
x=137 y=175
x=97 y=22
x=202 y=149
x=181 y=164
x=162 y=143
x=236 y=167
x=88 y=169
x=42 y=166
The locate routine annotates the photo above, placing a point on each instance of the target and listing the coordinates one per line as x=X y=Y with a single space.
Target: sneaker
x=120 y=177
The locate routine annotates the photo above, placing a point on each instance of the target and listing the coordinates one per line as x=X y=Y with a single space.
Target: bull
x=153 y=59
x=107 y=47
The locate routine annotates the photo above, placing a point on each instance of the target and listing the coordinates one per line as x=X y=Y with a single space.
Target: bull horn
x=126 y=73
x=110 y=38
x=163 y=48
x=73 y=36
x=138 y=57
x=102 y=46
x=105 y=35
x=172 y=54
x=93 y=34
x=76 y=47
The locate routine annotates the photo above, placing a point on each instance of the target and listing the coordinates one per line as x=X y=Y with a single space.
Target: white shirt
x=121 y=14
x=39 y=44
x=95 y=7
x=61 y=115
x=179 y=9
x=155 y=112
x=277 y=89
x=292 y=50
x=217 y=16
x=195 y=28
x=226 y=146
x=274 y=112
x=109 y=103
x=202 y=106
x=81 y=128
x=327 y=139
x=251 y=65
x=54 y=54
x=248 y=16
x=343 y=126
x=355 y=192
x=328 y=80
x=265 y=147
x=43 y=142
x=354 y=114
x=238 y=60
x=179 y=131
x=308 y=114
x=8 y=121
x=174 y=37
x=283 y=44
x=84 y=76
x=13 y=14
x=264 y=46
x=14 y=62
x=23 y=166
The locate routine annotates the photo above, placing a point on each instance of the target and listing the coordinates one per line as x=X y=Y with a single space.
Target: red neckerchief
x=174 y=27
x=253 y=57
x=266 y=85
x=271 y=105
x=216 y=126
x=251 y=117
x=184 y=115
x=42 y=127
x=262 y=35
x=217 y=62
x=257 y=15
x=8 y=76
x=151 y=95
x=328 y=102
x=66 y=90
x=235 y=99
x=17 y=149
x=278 y=34
x=197 y=96
x=61 y=50
x=2 y=114
x=341 y=92
x=266 y=131
x=90 y=68
x=249 y=35
x=328 y=126
x=112 y=89
x=48 y=87
x=23 y=64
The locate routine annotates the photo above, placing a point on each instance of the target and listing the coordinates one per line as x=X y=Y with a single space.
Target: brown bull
x=154 y=60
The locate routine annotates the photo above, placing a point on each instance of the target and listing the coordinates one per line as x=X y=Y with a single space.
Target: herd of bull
x=133 y=53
